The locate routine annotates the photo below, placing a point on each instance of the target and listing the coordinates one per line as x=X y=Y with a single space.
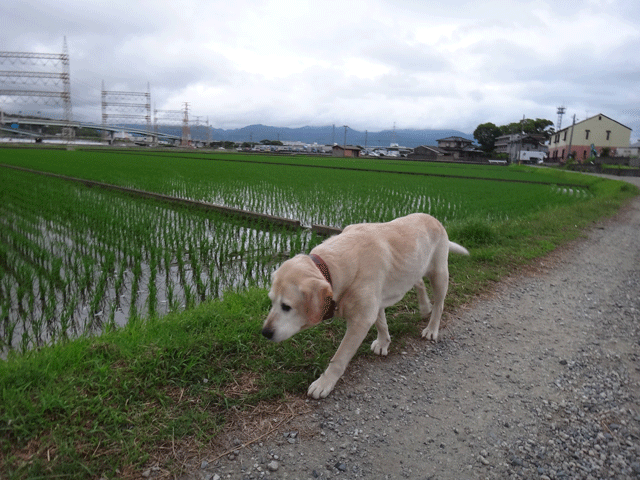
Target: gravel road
x=538 y=380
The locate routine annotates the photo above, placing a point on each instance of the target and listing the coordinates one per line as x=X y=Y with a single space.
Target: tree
x=539 y=126
x=486 y=134
x=544 y=127
x=271 y=142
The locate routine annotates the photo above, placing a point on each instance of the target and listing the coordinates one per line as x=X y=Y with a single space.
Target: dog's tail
x=459 y=249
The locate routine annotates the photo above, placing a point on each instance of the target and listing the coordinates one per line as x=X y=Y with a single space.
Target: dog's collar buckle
x=329 y=307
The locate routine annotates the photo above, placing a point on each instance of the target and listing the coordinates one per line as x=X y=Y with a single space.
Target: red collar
x=329 y=304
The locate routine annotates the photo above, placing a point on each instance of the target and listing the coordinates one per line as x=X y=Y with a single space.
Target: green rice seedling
x=135 y=287
x=66 y=318
x=172 y=299
x=68 y=231
x=152 y=291
x=87 y=276
x=189 y=297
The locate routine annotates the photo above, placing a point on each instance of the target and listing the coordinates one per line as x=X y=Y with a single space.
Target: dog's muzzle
x=268 y=333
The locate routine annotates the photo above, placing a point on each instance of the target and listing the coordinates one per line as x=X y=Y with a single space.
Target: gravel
x=539 y=380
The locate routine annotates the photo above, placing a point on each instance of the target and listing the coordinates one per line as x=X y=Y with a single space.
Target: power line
x=125 y=106
x=47 y=77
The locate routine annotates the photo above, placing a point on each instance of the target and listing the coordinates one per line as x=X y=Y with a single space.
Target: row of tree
x=487 y=133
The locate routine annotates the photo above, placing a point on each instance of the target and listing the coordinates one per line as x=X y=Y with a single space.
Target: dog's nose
x=267 y=332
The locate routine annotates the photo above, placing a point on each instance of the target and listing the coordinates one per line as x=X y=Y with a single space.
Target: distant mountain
x=326 y=135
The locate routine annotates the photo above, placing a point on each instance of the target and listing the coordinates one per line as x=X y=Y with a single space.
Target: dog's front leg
x=356 y=331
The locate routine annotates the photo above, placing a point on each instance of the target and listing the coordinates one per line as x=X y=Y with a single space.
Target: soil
x=538 y=379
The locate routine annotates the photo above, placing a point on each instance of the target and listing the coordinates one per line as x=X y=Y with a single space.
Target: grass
x=96 y=405
x=111 y=405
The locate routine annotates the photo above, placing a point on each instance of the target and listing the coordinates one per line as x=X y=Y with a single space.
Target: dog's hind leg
x=439 y=283
x=423 y=299
x=381 y=344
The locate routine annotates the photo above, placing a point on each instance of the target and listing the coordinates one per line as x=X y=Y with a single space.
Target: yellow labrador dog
x=360 y=272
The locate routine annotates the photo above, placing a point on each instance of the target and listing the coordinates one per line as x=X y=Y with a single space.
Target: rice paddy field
x=130 y=326
x=75 y=259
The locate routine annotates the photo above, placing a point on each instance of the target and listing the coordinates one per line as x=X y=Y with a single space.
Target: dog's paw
x=321 y=387
x=425 y=312
x=379 y=348
x=430 y=334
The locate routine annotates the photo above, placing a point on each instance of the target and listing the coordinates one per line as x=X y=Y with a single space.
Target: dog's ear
x=317 y=293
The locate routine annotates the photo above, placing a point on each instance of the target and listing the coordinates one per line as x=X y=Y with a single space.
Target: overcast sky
x=366 y=64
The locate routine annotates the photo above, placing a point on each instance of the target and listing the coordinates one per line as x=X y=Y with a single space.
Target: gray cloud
x=366 y=64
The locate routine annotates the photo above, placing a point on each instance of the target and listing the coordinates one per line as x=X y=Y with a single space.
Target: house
x=346 y=151
x=458 y=148
x=427 y=152
x=598 y=131
x=448 y=149
x=454 y=143
x=515 y=144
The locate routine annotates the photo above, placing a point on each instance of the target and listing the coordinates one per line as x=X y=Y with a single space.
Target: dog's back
x=390 y=257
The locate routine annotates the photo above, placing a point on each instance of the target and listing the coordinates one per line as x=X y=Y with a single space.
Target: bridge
x=13 y=120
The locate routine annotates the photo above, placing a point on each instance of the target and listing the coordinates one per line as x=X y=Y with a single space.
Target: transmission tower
x=561 y=111
x=132 y=107
x=186 y=131
x=200 y=128
x=173 y=120
x=38 y=79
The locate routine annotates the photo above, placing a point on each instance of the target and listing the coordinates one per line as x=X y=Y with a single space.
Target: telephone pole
x=571 y=137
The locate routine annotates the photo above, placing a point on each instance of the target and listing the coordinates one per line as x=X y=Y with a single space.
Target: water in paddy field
x=77 y=297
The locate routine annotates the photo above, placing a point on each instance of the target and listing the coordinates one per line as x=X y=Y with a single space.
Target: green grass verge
x=104 y=406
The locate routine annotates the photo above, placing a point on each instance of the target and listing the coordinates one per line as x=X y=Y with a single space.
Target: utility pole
x=571 y=136
x=520 y=141
x=345 y=138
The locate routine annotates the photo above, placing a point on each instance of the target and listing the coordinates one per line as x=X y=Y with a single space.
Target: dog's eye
x=285 y=307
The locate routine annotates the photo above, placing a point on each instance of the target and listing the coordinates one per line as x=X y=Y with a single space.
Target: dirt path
x=539 y=380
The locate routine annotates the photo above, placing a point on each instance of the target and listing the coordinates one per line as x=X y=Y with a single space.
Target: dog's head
x=298 y=297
